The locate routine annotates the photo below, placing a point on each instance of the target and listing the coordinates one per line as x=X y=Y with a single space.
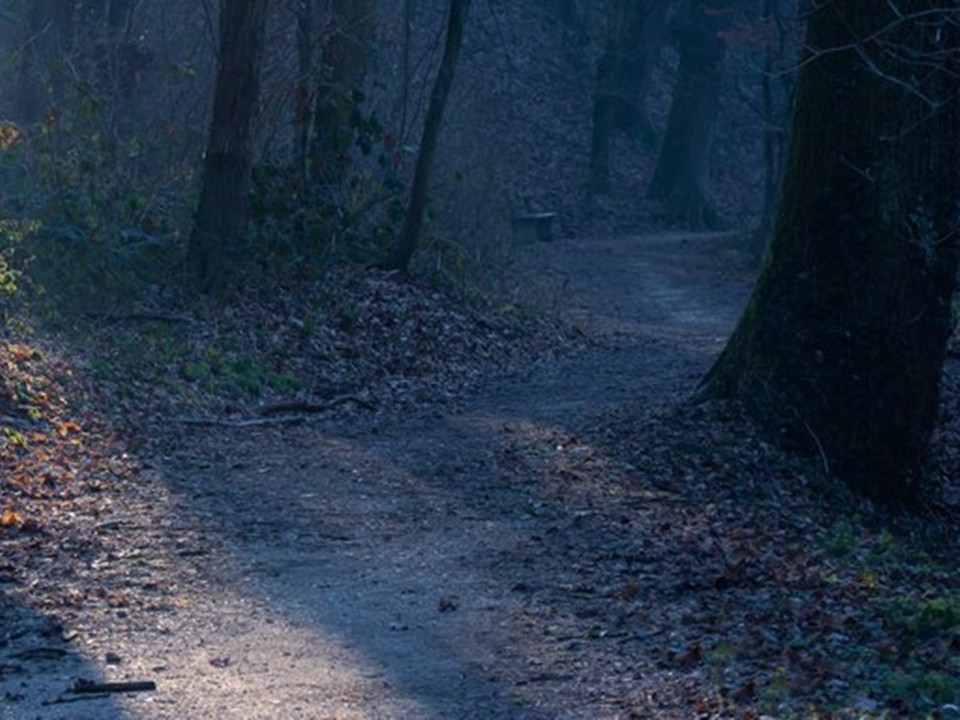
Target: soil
x=482 y=558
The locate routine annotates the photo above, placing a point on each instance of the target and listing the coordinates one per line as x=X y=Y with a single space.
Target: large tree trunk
x=680 y=178
x=413 y=222
x=222 y=214
x=623 y=78
x=842 y=343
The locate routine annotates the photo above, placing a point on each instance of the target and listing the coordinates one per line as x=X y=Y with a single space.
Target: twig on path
x=63 y=699
x=83 y=690
x=140 y=317
x=250 y=422
x=297 y=406
x=90 y=686
x=265 y=415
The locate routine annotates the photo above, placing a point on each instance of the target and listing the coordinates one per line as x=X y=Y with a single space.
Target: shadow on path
x=38 y=667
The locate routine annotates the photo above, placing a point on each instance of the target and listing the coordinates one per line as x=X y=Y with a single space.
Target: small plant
x=843 y=541
x=924 y=689
x=914 y=623
x=775 y=690
x=241 y=376
x=936 y=616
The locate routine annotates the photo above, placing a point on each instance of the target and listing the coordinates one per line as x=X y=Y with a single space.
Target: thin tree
x=221 y=220
x=841 y=345
x=413 y=222
x=305 y=12
x=776 y=101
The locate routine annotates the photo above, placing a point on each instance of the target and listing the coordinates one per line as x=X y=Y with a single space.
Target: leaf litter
x=672 y=561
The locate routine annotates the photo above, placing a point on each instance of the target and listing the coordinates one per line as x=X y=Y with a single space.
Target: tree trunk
x=776 y=118
x=345 y=60
x=602 y=126
x=770 y=171
x=623 y=77
x=305 y=12
x=841 y=345
x=680 y=178
x=221 y=220
x=641 y=37
x=413 y=221
x=409 y=13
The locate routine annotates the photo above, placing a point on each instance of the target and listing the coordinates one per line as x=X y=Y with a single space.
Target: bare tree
x=413 y=222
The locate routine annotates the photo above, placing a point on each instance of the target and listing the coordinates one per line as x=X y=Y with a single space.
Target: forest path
x=432 y=566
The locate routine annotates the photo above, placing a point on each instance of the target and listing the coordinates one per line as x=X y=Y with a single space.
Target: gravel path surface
x=412 y=568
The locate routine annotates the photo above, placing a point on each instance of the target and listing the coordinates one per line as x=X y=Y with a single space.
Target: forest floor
x=547 y=531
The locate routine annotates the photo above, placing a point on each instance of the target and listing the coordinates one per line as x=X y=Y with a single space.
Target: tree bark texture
x=221 y=220
x=841 y=345
x=681 y=174
x=413 y=221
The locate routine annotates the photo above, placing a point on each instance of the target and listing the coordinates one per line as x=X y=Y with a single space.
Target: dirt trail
x=418 y=568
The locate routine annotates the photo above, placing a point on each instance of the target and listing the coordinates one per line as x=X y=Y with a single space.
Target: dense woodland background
x=126 y=181
x=236 y=164
x=111 y=104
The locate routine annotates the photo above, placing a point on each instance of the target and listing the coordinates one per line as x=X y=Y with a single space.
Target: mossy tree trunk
x=841 y=345
x=681 y=174
x=220 y=226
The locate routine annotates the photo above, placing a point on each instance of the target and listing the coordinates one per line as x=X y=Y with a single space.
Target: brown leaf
x=9 y=518
x=68 y=427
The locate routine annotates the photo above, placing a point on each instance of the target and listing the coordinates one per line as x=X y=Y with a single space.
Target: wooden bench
x=533 y=227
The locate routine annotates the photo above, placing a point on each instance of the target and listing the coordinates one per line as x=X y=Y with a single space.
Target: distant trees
x=84 y=38
x=841 y=345
x=221 y=220
x=623 y=75
x=680 y=177
x=112 y=100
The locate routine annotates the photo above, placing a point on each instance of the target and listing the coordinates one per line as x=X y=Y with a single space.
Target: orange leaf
x=68 y=427
x=9 y=518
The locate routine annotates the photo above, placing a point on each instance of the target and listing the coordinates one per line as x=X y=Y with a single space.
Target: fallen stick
x=139 y=317
x=62 y=699
x=89 y=686
x=251 y=422
x=266 y=414
x=297 y=406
